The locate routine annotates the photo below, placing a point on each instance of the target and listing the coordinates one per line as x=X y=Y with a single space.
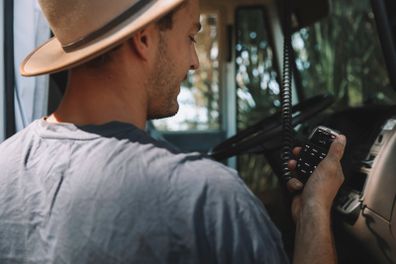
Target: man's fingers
x=291 y=164
x=336 y=150
x=294 y=185
x=296 y=151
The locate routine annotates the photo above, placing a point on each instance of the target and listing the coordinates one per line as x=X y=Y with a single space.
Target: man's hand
x=311 y=208
x=322 y=186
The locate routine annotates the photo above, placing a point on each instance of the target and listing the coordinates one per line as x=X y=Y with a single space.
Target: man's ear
x=144 y=42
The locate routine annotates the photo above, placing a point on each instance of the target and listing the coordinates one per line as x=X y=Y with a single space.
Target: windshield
x=341 y=55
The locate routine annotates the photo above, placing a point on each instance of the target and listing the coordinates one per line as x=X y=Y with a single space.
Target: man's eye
x=192 y=38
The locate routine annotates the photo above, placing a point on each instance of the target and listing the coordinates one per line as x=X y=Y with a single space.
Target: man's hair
x=166 y=22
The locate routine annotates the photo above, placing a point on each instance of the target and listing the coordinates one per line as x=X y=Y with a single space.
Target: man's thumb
x=337 y=147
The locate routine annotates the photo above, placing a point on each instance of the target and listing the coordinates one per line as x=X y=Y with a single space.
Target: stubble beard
x=164 y=86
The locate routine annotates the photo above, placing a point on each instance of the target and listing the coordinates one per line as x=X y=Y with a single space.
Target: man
x=88 y=185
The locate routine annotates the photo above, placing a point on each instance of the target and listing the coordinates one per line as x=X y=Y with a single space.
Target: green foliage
x=340 y=55
x=257 y=89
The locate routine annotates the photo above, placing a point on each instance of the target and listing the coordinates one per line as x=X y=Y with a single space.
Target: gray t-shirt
x=112 y=194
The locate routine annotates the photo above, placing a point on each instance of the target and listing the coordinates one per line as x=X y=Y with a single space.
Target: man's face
x=176 y=56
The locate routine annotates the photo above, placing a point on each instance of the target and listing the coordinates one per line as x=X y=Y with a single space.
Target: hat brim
x=50 y=57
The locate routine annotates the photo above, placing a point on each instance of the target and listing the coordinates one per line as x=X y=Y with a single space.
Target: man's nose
x=194 y=60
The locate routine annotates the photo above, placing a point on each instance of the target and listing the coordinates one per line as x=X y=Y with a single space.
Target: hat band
x=138 y=6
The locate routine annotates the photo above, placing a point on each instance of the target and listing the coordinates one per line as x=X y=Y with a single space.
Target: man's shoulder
x=227 y=209
x=203 y=177
x=189 y=167
x=161 y=158
x=210 y=171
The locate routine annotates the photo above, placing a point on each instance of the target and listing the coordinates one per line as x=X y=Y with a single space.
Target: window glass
x=258 y=88
x=200 y=94
x=341 y=55
x=2 y=71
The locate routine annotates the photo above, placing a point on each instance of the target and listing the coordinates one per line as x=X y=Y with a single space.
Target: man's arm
x=312 y=208
x=314 y=240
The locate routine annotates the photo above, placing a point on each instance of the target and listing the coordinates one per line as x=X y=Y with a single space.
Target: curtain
x=31 y=94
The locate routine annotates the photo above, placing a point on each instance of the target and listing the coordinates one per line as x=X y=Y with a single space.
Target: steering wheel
x=271 y=126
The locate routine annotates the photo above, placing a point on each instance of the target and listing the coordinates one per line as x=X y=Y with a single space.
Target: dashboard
x=366 y=204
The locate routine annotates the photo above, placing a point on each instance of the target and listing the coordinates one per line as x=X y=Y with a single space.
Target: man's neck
x=101 y=98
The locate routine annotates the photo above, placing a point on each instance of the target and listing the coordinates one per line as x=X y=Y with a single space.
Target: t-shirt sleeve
x=236 y=225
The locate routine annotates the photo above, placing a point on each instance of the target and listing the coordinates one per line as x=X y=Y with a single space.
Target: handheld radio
x=314 y=151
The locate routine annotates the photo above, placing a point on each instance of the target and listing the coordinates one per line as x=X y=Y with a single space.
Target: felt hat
x=84 y=29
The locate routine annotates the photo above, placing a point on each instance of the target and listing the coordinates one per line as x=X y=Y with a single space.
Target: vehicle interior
x=342 y=60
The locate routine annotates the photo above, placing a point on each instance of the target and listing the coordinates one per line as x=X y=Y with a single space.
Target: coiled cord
x=286 y=95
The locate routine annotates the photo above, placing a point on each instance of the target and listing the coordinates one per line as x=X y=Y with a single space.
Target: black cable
x=286 y=95
x=9 y=72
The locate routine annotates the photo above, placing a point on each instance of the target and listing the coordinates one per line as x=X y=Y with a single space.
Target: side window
x=199 y=97
x=258 y=87
x=340 y=56
x=2 y=86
